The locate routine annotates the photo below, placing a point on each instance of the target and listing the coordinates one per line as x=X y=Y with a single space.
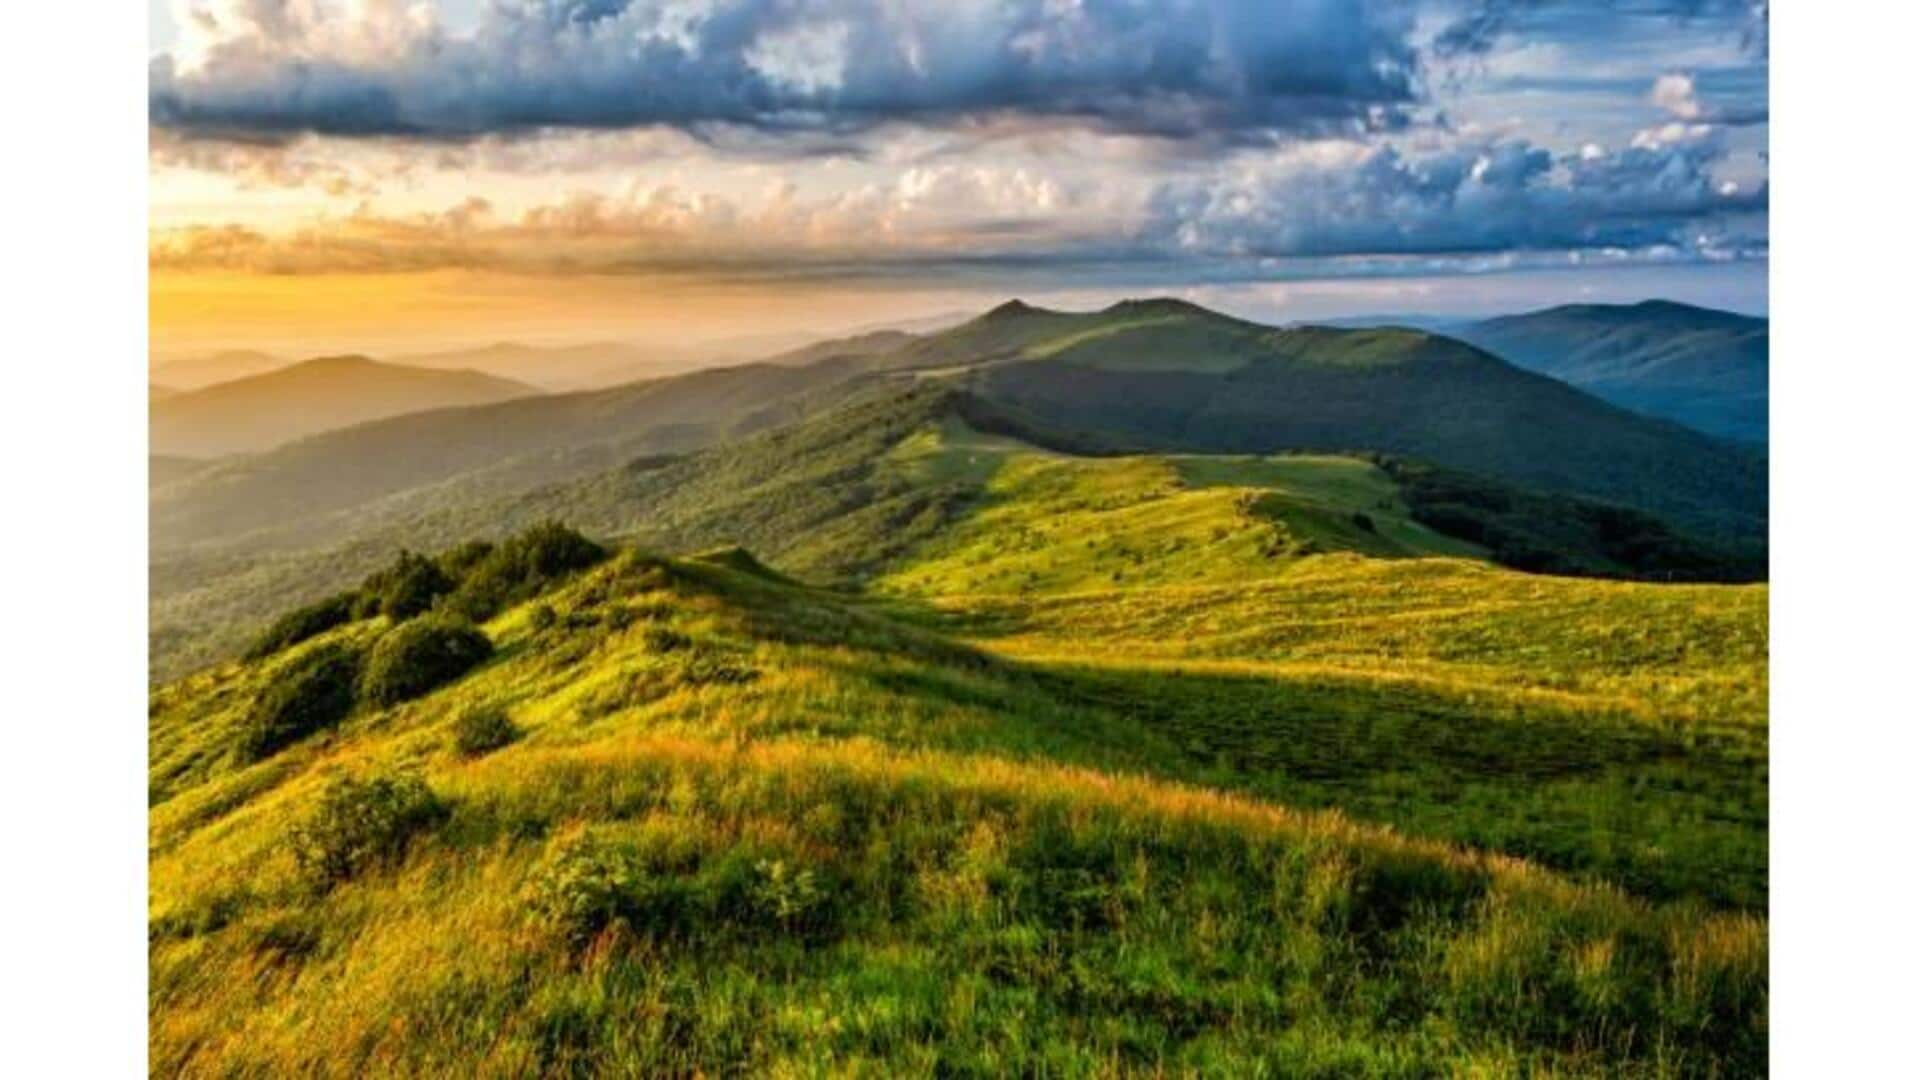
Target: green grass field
x=1122 y=766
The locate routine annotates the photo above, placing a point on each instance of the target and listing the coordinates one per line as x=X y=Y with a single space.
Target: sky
x=384 y=175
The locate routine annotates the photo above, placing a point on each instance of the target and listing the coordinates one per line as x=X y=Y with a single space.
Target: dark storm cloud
x=1506 y=197
x=1476 y=26
x=1179 y=68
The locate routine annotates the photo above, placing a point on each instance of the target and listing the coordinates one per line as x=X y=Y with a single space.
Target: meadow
x=1348 y=815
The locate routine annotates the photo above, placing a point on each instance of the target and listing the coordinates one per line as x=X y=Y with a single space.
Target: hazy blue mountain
x=1697 y=366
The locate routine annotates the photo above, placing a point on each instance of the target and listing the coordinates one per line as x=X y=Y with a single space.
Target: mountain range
x=1696 y=366
x=1145 y=377
x=258 y=412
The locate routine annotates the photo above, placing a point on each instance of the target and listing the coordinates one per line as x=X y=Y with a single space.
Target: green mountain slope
x=1172 y=376
x=262 y=411
x=1696 y=366
x=689 y=817
x=294 y=486
x=901 y=471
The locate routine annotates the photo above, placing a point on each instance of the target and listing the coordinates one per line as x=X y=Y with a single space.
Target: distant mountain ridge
x=1697 y=366
x=262 y=411
x=1169 y=375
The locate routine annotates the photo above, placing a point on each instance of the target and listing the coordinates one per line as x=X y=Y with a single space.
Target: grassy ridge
x=745 y=825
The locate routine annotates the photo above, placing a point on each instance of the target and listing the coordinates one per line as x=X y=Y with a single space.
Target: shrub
x=484 y=729
x=459 y=561
x=542 y=618
x=405 y=589
x=420 y=655
x=1363 y=521
x=361 y=824
x=302 y=623
x=303 y=695
x=523 y=566
x=590 y=883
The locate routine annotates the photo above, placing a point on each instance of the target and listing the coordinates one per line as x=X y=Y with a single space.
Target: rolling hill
x=1166 y=375
x=1696 y=366
x=1331 y=814
x=558 y=368
x=197 y=372
x=850 y=494
x=281 y=406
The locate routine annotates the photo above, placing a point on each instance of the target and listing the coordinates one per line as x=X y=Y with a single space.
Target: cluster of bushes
x=1562 y=534
x=419 y=655
x=407 y=588
x=590 y=884
x=302 y=696
x=361 y=824
x=302 y=623
x=475 y=581
x=497 y=577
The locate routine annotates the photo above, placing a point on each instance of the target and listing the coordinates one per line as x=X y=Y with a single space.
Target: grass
x=1085 y=766
x=753 y=826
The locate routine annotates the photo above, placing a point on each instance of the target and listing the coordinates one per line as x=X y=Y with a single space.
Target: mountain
x=1164 y=374
x=262 y=411
x=195 y=372
x=559 y=368
x=524 y=441
x=163 y=470
x=1128 y=796
x=1696 y=366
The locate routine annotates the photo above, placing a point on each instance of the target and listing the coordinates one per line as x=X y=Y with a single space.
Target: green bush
x=590 y=883
x=302 y=623
x=405 y=589
x=303 y=695
x=482 y=730
x=522 y=567
x=361 y=824
x=459 y=561
x=542 y=618
x=418 y=656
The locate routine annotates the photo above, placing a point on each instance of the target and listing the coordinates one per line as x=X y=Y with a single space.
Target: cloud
x=1675 y=94
x=1476 y=27
x=931 y=213
x=271 y=68
x=1497 y=197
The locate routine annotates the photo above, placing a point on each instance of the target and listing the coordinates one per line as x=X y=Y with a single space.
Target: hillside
x=1373 y=816
x=538 y=438
x=163 y=470
x=1696 y=366
x=259 y=412
x=197 y=372
x=901 y=471
x=1166 y=375
x=558 y=368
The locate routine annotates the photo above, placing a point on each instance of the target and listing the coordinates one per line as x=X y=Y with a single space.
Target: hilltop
x=1167 y=375
x=1697 y=366
x=258 y=412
